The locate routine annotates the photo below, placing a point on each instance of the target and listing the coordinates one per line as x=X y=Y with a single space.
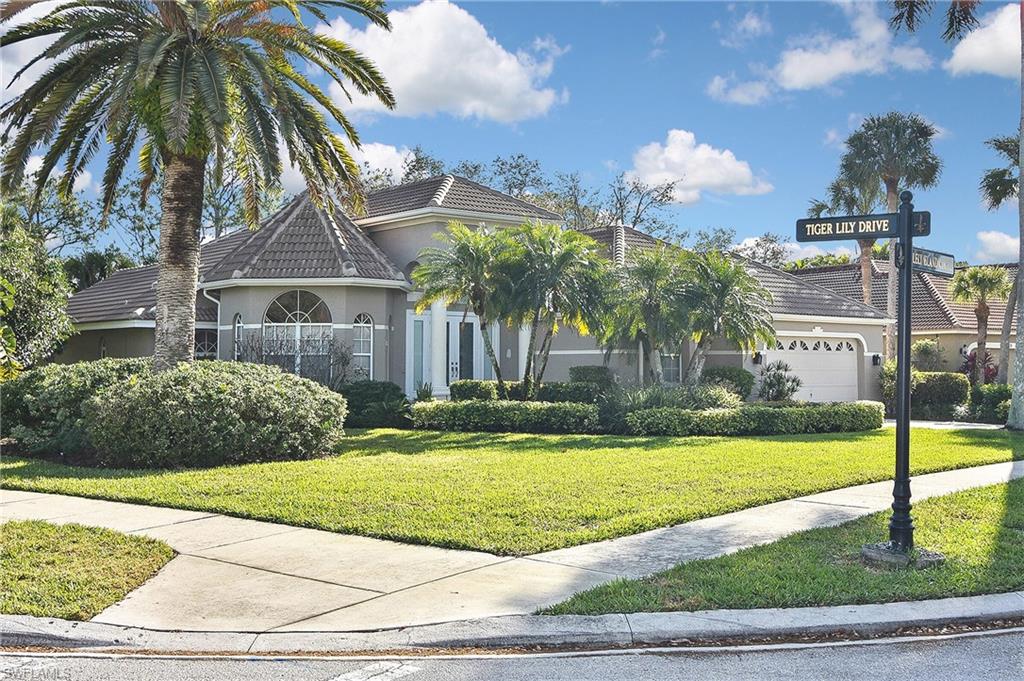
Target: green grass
x=518 y=493
x=980 y=531
x=71 y=571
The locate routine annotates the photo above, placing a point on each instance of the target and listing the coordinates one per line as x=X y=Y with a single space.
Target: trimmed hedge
x=504 y=416
x=375 y=404
x=737 y=379
x=986 y=401
x=936 y=394
x=473 y=390
x=757 y=420
x=592 y=373
x=573 y=391
x=212 y=413
x=42 y=407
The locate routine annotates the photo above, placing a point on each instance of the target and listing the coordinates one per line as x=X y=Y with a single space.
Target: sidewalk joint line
x=289 y=530
x=804 y=500
x=176 y=522
x=567 y=565
x=282 y=574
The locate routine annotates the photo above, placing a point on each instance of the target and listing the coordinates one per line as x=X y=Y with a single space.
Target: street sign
x=880 y=226
x=933 y=261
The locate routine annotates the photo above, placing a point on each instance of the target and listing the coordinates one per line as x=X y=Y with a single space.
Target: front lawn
x=519 y=493
x=71 y=571
x=980 y=531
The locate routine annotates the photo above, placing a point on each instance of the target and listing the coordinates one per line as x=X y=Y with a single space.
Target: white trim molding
x=416 y=216
x=133 y=324
x=311 y=281
x=808 y=318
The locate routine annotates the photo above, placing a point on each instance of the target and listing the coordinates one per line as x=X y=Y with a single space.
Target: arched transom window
x=297 y=334
x=239 y=329
x=362 y=344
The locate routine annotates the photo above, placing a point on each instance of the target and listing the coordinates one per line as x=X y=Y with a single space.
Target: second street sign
x=933 y=261
x=879 y=226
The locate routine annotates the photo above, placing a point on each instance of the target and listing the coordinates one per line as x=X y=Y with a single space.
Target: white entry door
x=828 y=367
x=463 y=348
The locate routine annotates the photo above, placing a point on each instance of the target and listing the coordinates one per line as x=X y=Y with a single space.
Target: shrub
x=989 y=369
x=573 y=391
x=776 y=382
x=935 y=394
x=925 y=355
x=985 y=401
x=756 y=419
x=592 y=373
x=212 y=413
x=473 y=390
x=424 y=392
x=506 y=416
x=736 y=379
x=1002 y=411
x=42 y=408
x=365 y=401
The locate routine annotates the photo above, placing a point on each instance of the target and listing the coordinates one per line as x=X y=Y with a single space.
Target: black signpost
x=903 y=225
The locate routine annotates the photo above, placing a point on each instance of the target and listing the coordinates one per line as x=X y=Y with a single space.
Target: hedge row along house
x=330 y=296
x=953 y=325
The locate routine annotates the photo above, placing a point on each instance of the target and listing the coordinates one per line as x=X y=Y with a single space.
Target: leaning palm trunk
x=489 y=349
x=695 y=368
x=865 y=269
x=1016 y=416
x=531 y=347
x=1004 y=335
x=892 y=199
x=545 y=352
x=178 y=260
x=981 y=314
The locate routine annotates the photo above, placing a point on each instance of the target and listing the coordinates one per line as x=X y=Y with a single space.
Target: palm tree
x=648 y=309
x=197 y=82
x=556 y=278
x=466 y=268
x=999 y=185
x=724 y=302
x=846 y=196
x=894 y=150
x=979 y=285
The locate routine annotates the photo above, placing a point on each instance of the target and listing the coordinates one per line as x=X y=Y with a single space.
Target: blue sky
x=748 y=102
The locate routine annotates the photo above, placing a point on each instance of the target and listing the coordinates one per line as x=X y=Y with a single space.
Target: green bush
x=473 y=390
x=506 y=416
x=573 y=391
x=936 y=394
x=925 y=355
x=1002 y=411
x=212 y=413
x=42 y=408
x=986 y=400
x=756 y=419
x=374 y=404
x=736 y=379
x=592 y=373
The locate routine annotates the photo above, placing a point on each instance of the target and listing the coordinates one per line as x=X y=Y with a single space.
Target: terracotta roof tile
x=452 y=192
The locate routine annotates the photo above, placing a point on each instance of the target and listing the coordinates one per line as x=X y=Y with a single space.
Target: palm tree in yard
x=467 y=268
x=850 y=198
x=894 y=150
x=725 y=302
x=190 y=83
x=979 y=285
x=999 y=185
x=556 y=280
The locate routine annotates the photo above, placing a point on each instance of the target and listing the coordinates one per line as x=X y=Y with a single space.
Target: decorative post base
x=887 y=555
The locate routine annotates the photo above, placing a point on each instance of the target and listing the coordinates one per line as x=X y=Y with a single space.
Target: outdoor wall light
x=756 y=359
x=876 y=360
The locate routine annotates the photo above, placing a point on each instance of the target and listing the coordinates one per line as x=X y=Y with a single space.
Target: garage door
x=828 y=367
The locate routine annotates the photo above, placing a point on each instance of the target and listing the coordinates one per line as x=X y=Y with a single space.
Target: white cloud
x=746 y=28
x=374 y=154
x=993 y=47
x=996 y=247
x=696 y=167
x=14 y=57
x=727 y=89
x=656 y=44
x=84 y=182
x=797 y=251
x=439 y=59
x=821 y=59
x=833 y=138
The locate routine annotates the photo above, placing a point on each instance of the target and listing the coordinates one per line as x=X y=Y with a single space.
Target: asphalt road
x=995 y=655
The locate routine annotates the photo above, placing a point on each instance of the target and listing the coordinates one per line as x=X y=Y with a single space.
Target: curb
x=529 y=630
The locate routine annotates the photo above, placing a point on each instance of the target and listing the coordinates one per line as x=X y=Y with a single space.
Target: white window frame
x=363 y=322
x=236 y=340
x=326 y=329
x=205 y=333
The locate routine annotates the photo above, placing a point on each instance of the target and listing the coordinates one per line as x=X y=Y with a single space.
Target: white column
x=524 y=342
x=439 y=348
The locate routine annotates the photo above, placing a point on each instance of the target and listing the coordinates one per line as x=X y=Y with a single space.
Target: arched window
x=362 y=344
x=238 y=328
x=206 y=344
x=297 y=334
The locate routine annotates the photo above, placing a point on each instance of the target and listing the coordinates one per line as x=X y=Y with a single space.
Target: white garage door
x=828 y=367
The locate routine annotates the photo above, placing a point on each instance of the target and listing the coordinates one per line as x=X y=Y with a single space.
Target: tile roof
x=933 y=306
x=127 y=295
x=454 y=193
x=790 y=295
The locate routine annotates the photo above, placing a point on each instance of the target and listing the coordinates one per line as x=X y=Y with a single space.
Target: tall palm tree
x=724 y=302
x=847 y=197
x=999 y=185
x=895 y=150
x=979 y=285
x=196 y=82
x=466 y=268
x=556 y=279
x=648 y=309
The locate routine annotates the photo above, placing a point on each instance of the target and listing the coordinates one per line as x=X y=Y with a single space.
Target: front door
x=463 y=337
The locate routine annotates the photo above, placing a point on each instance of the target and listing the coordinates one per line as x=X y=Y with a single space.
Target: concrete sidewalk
x=236 y=575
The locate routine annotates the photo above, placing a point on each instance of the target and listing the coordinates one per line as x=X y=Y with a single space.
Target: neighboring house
x=307 y=283
x=934 y=314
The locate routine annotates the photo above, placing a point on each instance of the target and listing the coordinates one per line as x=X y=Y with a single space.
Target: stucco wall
x=85 y=345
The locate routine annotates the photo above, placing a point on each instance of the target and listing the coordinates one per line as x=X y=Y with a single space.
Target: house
x=308 y=283
x=935 y=315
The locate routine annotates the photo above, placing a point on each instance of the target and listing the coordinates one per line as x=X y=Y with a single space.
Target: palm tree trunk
x=545 y=352
x=865 y=268
x=696 y=365
x=1004 y=335
x=657 y=376
x=1015 y=419
x=980 y=354
x=528 y=380
x=892 y=200
x=178 y=260
x=489 y=349
x=645 y=348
